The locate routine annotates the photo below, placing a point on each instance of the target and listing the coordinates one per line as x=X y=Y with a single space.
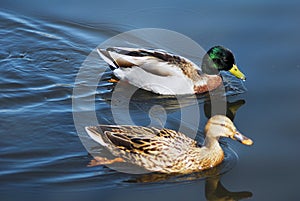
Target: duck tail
x=105 y=55
x=95 y=134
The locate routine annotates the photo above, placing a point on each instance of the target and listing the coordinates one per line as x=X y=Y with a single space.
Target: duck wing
x=157 y=62
x=151 y=148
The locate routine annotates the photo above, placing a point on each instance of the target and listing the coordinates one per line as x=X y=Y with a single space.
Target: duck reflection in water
x=214 y=189
x=231 y=109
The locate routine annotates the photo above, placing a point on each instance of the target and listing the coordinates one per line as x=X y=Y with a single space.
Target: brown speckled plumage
x=165 y=150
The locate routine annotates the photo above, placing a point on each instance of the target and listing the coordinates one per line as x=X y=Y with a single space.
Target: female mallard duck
x=167 y=74
x=165 y=150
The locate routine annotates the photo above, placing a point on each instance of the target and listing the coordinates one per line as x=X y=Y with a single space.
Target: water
x=43 y=46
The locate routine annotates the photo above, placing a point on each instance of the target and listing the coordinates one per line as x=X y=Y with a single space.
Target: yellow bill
x=237 y=73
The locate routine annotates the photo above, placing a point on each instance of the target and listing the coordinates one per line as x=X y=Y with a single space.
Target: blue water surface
x=43 y=46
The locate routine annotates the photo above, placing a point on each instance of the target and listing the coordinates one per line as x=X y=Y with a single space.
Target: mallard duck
x=168 y=74
x=165 y=150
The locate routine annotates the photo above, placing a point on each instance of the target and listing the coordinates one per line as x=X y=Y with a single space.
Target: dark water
x=43 y=47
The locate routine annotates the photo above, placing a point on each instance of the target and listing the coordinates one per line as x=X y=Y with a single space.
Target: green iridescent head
x=219 y=58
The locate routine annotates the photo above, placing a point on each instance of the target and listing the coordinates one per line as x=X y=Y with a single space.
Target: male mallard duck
x=168 y=74
x=165 y=150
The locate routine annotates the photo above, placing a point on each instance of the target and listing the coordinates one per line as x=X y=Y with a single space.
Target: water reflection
x=231 y=109
x=214 y=189
x=148 y=103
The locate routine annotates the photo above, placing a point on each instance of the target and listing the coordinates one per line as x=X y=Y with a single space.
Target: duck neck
x=212 y=143
x=214 y=150
x=208 y=66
